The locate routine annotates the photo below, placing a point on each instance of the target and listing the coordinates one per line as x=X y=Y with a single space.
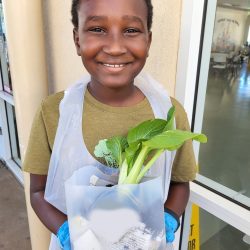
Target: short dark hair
x=76 y=4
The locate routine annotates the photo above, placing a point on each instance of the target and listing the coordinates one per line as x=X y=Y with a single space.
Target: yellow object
x=194 y=236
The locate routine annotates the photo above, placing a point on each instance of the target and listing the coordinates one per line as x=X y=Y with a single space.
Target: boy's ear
x=150 y=37
x=149 y=40
x=76 y=41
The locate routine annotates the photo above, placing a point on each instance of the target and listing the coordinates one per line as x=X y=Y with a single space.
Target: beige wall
x=25 y=31
x=162 y=61
x=65 y=66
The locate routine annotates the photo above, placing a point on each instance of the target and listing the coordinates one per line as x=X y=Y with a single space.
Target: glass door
x=224 y=98
x=222 y=112
x=212 y=83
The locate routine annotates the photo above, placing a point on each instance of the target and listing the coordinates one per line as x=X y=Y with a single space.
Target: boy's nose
x=115 y=45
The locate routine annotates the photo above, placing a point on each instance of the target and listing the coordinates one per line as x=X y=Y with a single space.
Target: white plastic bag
x=114 y=218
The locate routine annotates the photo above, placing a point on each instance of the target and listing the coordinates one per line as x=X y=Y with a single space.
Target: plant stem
x=123 y=171
x=149 y=165
x=134 y=172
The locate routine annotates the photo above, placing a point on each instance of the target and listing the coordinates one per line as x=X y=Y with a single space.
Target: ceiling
x=235 y=4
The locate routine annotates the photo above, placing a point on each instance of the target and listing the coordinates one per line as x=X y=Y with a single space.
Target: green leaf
x=102 y=151
x=170 y=119
x=146 y=130
x=173 y=139
x=117 y=145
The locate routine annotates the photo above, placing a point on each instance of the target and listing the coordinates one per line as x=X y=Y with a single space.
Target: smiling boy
x=113 y=38
x=113 y=44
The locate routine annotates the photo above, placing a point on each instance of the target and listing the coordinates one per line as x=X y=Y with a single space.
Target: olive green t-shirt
x=100 y=121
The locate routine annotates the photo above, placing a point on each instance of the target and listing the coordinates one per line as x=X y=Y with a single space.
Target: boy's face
x=113 y=40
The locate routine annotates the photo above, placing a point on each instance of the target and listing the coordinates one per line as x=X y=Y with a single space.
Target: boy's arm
x=51 y=217
x=178 y=197
x=174 y=207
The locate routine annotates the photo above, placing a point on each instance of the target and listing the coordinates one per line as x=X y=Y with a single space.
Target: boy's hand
x=171 y=225
x=63 y=236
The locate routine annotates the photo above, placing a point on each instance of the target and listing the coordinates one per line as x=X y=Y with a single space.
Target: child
x=113 y=38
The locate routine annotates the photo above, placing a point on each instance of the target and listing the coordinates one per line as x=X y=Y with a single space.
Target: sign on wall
x=229 y=29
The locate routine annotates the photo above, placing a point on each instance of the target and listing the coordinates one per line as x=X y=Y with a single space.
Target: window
x=13 y=135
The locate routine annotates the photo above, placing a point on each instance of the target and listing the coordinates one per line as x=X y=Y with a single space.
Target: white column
x=25 y=37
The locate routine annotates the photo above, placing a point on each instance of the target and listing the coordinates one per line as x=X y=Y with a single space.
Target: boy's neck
x=117 y=97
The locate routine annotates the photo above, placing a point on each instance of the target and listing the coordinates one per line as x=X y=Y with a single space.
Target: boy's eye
x=97 y=30
x=132 y=31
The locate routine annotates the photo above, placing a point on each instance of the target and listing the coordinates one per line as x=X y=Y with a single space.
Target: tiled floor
x=14 y=231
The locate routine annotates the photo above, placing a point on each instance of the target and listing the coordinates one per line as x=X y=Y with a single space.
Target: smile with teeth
x=114 y=65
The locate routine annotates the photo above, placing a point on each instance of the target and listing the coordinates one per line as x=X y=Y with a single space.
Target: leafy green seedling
x=152 y=138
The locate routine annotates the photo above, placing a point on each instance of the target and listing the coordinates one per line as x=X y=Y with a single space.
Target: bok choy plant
x=143 y=145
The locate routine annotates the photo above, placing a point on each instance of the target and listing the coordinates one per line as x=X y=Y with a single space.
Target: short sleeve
x=37 y=156
x=184 y=166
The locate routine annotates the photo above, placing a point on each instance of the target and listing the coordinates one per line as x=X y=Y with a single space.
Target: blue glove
x=171 y=224
x=63 y=236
